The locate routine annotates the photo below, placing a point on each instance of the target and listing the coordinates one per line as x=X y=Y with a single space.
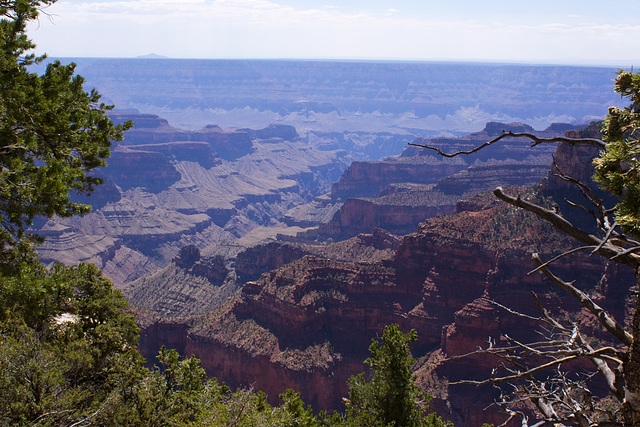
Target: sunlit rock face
x=228 y=144
x=166 y=188
x=397 y=193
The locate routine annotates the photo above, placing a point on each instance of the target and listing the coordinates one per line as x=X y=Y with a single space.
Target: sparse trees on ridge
x=559 y=399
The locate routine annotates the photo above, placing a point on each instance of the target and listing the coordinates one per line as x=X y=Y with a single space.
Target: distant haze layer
x=332 y=96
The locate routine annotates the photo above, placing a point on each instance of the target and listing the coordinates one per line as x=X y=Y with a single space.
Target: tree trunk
x=631 y=407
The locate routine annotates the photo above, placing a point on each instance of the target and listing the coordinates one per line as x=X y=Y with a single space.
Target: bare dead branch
x=535 y=141
x=562 y=399
x=505 y=308
x=571 y=345
x=584 y=189
x=547 y=317
x=626 y=251
x=608 y=250
x=584 y=208
x=564 y=254
x=603 y=317
x=606 y=238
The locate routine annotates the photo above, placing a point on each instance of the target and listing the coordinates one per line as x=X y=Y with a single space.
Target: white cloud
x=263 y=28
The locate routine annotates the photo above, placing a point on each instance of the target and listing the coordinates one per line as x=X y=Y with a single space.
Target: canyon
x=166 y=188
x=370 y=108
x=307 y=324
x=309 y=304
x=277 y=242
x=275 y=277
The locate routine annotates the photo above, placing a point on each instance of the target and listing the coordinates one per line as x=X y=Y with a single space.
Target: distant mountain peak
x=152 y=56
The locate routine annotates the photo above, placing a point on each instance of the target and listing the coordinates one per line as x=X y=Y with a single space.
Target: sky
x=584 y=32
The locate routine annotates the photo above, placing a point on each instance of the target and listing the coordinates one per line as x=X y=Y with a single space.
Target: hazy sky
x=541 y=31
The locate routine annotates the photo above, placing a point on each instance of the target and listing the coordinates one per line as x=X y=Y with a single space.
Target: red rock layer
x=307 y=324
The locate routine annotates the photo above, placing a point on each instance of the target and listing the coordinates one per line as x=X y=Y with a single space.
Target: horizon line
x=608 y=64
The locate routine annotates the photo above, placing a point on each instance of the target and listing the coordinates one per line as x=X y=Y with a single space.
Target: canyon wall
x=167 y=188
x=312 y=319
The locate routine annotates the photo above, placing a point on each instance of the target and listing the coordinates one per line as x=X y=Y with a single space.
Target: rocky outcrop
x=267 y=364
x=65 y=244
x=314 y=318
x=575 y=161
x=298 y=302
x=212 y=269
x=397 y=212
x=184 y=287
x=166 y=191
x=181 y=288
x=485 y=177
x=229 y=144
x=282 y=132
x=397 y=196
x=135 y=168
x=399 y=208
x=141 y=228
x=200 y=152
x=140 y=121
x=319 y=211
x=367 y=179
x=254 y=261
x=324 y=312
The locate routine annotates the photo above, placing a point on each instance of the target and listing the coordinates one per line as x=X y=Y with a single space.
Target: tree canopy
x=52 y=132
x=391 y=397
x=618 y=168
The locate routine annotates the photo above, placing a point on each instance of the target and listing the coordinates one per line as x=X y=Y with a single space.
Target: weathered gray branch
x=608 y=250
x=559 y=398
x=601 y=314
x=536 y=141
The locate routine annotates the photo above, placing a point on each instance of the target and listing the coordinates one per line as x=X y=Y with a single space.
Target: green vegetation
x=66 y=345
x=52 y=134
x=68 y=352
x=391 y=397
x=67 y=355
x=618 y=167
x=618 y=171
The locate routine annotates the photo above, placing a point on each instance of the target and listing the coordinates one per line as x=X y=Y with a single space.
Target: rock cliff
x=229 y=144
x=254 y=261
x=393 y=194
x=397 y=212
x=180 y=288
x=191 y=284
x=313 y=318
x=485 y=177
x=169 y=188
x=400 y=207
x=367 y=179
x=150 y=170
x=507 y=148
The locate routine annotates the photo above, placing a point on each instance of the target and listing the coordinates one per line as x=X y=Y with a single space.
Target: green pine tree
x=391 y=397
